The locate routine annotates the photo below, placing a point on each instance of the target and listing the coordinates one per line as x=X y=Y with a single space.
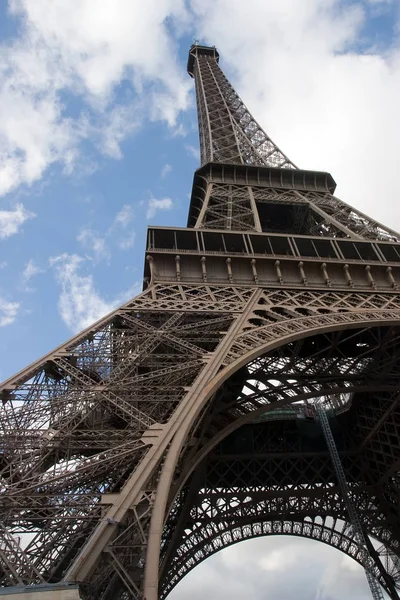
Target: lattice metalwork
x=228 y=132
x=334 y=536
x=230 y=207
x=72 y=425
x=260 y=470
x=177 y=424
x=78 y=425
x=350 y=218
x=242 y=207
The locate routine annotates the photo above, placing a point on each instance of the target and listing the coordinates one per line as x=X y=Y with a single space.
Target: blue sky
x=71 y=214
x=98 y=134
x=98 y=212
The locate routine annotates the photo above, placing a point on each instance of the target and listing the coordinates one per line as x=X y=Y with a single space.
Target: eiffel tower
x=185 y=421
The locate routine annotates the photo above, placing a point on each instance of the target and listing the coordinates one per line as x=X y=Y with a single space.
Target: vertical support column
x=253 y=204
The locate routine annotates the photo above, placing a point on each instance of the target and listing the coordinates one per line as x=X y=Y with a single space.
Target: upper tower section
x=228 y=132
x=246 y=183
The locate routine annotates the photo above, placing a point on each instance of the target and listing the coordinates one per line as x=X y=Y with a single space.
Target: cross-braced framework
x=228 y=132
x=180 y=423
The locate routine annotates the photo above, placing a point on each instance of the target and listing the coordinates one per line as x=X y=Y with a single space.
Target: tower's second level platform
x=270 y=259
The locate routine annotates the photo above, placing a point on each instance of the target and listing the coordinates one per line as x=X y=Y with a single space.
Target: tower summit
x=195 y=51
x=180 y=423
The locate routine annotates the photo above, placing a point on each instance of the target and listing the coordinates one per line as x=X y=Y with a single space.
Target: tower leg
x=201 y=387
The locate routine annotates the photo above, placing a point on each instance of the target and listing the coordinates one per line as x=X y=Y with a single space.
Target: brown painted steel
x=177 y=425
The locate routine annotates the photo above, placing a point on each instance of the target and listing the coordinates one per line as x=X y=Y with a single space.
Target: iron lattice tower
x=174 y=426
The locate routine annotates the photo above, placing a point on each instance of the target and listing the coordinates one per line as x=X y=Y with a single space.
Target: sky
x=98 y=140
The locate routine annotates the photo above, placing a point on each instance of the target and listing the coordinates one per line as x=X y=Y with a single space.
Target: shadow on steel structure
x=180 y=423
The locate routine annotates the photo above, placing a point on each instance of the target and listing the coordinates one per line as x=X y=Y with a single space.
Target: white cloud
x=126 y=242
x=31 y=270
x=93 y=243
x=275 y=560
x=80 y=304
x=124 y=217
x=3 y=264
x=165 y=170
x=113 y=127
x=8 y=312
x=121 y=228
x=179 y=130
x=120 y=233
x=255 y=568
x=154 y=205
x=11 y=220
x=34 y=134
x=193 y=151
x=87 y=52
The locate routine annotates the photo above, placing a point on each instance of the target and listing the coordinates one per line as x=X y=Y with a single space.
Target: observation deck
x=196 y=50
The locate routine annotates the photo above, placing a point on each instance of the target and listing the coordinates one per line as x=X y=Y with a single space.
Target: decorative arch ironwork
x=176 y=346
x=367 y=376
x=331 y=532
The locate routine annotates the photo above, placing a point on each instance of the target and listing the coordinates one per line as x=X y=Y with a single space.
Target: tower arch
x=331 y=534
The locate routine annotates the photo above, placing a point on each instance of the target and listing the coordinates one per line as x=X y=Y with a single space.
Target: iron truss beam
x=80 y=427
x=176 y=425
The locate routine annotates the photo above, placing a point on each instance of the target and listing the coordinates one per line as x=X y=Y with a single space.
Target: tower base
x=56 y=591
